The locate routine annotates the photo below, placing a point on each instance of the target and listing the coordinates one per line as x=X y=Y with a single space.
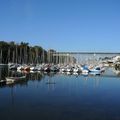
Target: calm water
x=61 y=97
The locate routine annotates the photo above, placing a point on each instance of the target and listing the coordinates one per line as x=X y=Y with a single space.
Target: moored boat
x=13 y=79
x=97 y=70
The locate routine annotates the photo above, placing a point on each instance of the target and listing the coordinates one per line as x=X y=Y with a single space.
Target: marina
x=70 y=63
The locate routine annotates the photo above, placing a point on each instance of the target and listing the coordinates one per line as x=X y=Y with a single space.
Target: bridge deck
x=112 y=53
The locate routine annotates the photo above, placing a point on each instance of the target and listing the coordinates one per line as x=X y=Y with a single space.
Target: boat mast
x=9 y=55
x=43 y=60
x=16 y=54
x=1 y=56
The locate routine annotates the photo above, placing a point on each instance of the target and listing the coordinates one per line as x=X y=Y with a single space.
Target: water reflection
x=34 y=75
x=3 y=72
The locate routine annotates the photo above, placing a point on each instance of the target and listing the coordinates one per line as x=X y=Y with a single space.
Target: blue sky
x=64 y=25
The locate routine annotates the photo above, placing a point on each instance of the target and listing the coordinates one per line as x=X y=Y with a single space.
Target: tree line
x=21 y=53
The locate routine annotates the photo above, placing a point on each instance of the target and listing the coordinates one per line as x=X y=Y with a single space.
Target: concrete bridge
x=83 y=57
